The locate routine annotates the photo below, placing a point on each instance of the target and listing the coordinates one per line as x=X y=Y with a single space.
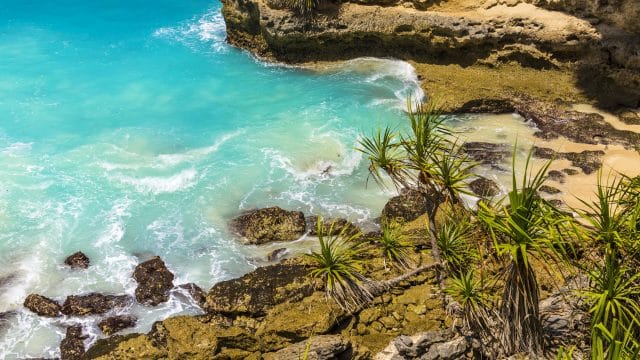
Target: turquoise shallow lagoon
x=130 y=129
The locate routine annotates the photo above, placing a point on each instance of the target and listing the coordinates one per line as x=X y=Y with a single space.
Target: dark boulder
x=486 y=153
x=42 y=305
x=409 y=205
x=154 y=282
x=265 y=225
x=197 y=294
x=331 y=226
x=256 y=292
x=77 y=260
x=549 y=190
x=93 y=303
x=484 y=187
x=72 y=346
x=113 y=324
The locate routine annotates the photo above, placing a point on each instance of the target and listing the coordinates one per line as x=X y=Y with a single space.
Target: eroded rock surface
x=42 y=305
x=322 y=347
x=409 y=205
x=259 y=290
x=72 y=346
x=77 y=260
x=154 y=282
x=265 y=225
x=93 y=303
x=484 y=187
x=113 y=324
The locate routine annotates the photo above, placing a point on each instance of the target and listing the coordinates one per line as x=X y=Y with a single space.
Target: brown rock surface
x=42 y=305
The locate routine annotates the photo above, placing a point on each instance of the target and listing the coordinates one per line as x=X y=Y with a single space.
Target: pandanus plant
x=338 y=265
x=527 y=227
x=614 y=288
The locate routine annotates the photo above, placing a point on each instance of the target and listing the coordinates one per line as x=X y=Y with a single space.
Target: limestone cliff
x=603 y=54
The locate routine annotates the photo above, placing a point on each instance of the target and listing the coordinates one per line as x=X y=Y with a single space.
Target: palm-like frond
x=453 y=241
x=528 y=225
x=337 y=264
x=451 y=168
x=385 y=156
x=395 y=248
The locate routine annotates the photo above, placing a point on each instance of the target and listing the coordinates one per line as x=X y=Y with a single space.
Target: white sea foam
x=161 y=184
x=209 y=28
x=385 y=73
x=165 y=161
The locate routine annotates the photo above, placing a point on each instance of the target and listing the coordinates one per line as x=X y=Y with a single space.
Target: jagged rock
x=549 y=189
x=335 y=225
x=154 y=282
x=196 y=293
x=93 y=303
x=265 y=225
x=409 y=205
x=564 y=315
x=430 y=345
x=259 y=290
x=486 y=153
x=570 y=171
x=42 y=305
x=277 y=254
x=72 y=346
x=321 y=347
x=589 y=161
x=77 y=260
x=113 y=324
x=484 y=187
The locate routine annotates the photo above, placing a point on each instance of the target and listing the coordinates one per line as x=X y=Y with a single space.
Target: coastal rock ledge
x=603 y=50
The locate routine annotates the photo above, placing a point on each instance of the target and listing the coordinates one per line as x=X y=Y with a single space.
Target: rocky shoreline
x=280 y=312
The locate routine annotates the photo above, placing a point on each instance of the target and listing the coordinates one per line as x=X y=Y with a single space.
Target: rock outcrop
x=331 y=226
x=77 y=260
x=265 y=225
x=409 y=205
x=197 y=294
x=431 y=345
x=113 y=324
x=258 y=291
x=93 y=303
x=42 y=305
x=604 y=56
x=322 y=347
x=484 y=187
x=72 y=346
x=154 y=282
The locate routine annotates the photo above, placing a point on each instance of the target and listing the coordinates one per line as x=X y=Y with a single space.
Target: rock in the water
x=197 y=294
x=484 y=187
x=409 y=205
x=154 y=282
x=486 y=153
x=331 y=226
x=321 y=347
x=256 y=292
x=277 y=254
x=93 y=303
x=113 y=324
x=72 y=346
x=549 y=189
x=77 y=260
x=265 y=225
x=42 y=305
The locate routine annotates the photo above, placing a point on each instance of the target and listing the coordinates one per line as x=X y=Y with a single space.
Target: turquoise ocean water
x=130 y=129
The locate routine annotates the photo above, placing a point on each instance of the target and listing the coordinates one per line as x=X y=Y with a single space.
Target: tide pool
x=130 y=129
